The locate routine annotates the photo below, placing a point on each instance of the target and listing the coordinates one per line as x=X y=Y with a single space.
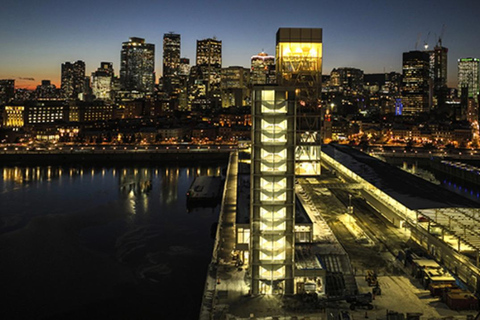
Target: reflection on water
x=135 y=215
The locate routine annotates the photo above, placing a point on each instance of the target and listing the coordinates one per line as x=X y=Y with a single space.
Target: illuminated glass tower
x=415 y=86
x=469 y=76
x=73 y=79
x=299 y=65
x=272 y=201
x=137 y=65
x=262 y=69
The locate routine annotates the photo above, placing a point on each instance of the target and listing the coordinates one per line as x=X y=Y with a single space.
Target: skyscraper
x=262 y=69
x=416 y=78
x=440 y=60
x=102 y=81
x=171 y=61
x=209 y=60
x=272 y=192
x=235 y=86
x=137 y=65
x=469 y=76
x=184 y=67
x=299 y=65
x=7 y=90
x=73 y=78
x=349 y=79
x=171 y=54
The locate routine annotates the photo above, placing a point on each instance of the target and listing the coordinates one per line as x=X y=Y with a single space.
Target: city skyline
x=370 y=36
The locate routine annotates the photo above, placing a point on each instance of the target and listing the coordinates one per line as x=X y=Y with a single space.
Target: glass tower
x=299 y=65
x=415 y=86
x=137 y=65
x=469 y=76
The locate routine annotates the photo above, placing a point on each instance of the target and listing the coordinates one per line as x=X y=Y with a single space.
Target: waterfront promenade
x=115 y=153
x=222 y=265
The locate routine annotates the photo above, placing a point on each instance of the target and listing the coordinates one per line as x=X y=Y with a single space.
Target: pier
x=222 y=262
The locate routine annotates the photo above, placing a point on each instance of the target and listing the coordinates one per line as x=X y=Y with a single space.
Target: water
x=112 y=242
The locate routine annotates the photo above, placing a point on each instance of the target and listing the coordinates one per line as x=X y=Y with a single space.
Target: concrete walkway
x=219 y=282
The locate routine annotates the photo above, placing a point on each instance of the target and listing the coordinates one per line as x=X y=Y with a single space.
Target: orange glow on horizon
x=31 y=85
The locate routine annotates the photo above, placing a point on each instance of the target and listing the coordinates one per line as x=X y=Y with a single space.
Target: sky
x=38 y=36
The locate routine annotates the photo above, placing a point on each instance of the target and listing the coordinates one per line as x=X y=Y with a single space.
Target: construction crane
x=441 y=36
x=418 y=40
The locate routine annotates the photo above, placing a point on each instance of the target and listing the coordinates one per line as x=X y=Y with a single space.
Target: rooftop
x=413 y=192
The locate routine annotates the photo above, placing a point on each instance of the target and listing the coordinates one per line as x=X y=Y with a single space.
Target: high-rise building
x=262 y=69
x=348 y=79
x=102 y=82
x=171 y=54
x=469 y=76
x=171 y=61
x=209 y=60
x=299 y=65
x=209 y=53
x=137 y=65
x=272 y=191
x=416 y=79
x=235 y=83
x=184 y=67
x=47 y=91
x=7 y=90
x=73 y=78
x=438 y=67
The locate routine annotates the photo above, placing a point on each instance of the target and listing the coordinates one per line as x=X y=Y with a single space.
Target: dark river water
x=109 y=242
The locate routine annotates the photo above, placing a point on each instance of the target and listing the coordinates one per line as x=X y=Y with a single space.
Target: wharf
x=222 y=263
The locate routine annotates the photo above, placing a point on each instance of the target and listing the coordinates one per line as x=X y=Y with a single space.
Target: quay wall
x=114 y=157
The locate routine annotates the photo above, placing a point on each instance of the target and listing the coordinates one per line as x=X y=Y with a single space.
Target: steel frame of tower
x=299 y=65
x=272 y=201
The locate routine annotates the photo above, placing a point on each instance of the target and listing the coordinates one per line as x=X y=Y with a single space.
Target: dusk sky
x=38 y=36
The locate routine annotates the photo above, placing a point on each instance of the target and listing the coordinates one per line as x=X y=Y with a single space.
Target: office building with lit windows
x=348 y=80
x=13 y=116
x=184 y=67
x=209 y=61
x=262 y=69
x=234 y=85
x=45 y=112
x=171 y=60
x=102 y=82
x=171 y=54
x=7 y=90
x=272 y=201
x=299 y=65
x=73 y=79
x=469 y=76
x=415 y=86
x=137 y=66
